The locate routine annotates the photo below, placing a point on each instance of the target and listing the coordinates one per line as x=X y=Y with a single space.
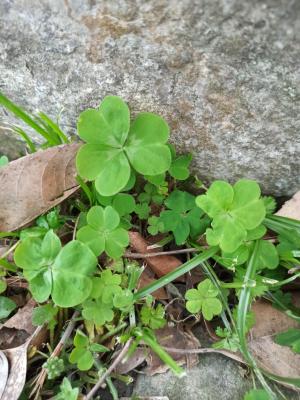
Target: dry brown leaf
x=291 y=208
x=3 y=372
x=160 y=265
x=17 y=358
x=33 y=184
x=16 y=330
x=279 y=360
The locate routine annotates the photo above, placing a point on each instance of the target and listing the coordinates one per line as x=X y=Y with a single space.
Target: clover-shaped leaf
x=123 y=300
x=179 y=168
x=204 y=299
x=62 y=272
x=66 y=391
x=102 y=232
x=113 y=146
x=82 y=354
x=153 y=317
x=106 y=286
x=97 y=311
x=234 y=211
x=183 y=216
x=6 y=306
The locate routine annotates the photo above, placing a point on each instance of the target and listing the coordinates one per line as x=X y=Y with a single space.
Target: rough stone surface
x=224 y=73
x=215 y=378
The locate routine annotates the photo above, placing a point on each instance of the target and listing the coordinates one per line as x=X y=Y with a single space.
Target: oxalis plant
x=131 y=179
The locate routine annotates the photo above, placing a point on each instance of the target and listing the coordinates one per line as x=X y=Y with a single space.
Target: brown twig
x=40 y=379
x=128 y=254
x=102 y=379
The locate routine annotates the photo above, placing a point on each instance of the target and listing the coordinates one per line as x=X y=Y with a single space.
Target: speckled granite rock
x=225 y=74
x=215 y=378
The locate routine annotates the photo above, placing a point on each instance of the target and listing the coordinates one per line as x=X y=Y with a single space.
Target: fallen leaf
x=276 y=359
x=16 y=330
x=3 y=372
x=291 y=208
x=17 y=358
x=160 y=265
x=33 y=184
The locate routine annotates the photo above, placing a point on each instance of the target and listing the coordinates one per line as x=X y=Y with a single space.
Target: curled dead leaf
x=276 y=359
x=3 y=372
x=35 y=183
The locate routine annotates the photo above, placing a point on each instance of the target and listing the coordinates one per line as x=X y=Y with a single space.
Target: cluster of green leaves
x=182 y=217
x=234 y=210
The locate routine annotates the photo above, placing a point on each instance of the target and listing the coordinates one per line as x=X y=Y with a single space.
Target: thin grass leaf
x=21 y=114
x=162 y=354
x=171 y=276
x=24 y=136
x=243 y=308
x=86 y=190
x=54 y=127
x=280 y=224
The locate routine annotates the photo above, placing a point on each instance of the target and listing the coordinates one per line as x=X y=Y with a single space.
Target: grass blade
x=183 y=269
x=21 y=114
x=243 y=308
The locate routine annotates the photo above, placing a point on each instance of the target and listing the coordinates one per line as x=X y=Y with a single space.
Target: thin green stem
x=171 y=276
x=243 y=308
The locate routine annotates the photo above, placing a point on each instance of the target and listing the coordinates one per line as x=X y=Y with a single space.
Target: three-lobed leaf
x=204 y=299
x=234 y=210
x=102 y=232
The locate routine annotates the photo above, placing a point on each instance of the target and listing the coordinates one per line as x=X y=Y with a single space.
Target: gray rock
x=215 y=378
x=224 y=73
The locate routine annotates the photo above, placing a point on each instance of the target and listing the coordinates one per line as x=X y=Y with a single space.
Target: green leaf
x=123 y=203
x=44 y=314
x=179 y=168
x=142 y=210
x=3 y=285
x=98 y=348
x=234 y=210
x=270 y=204
x=146 y=148
x=3 y=161
x=183 y=216
x=65 y=273
x=153 y=317
x=71 y=273
x=97 y=311
x=289 y=338
x=103 y=232
x=257 y=394
x=204 y=299
x=123 y=300
x=6 y=307
x=66 y=391
x=112 y=148
x=267 y=255
x=81 y=354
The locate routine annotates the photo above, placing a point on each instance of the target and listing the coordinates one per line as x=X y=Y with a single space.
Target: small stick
x=102 y=379
x=39 y=381
x=159 y=253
